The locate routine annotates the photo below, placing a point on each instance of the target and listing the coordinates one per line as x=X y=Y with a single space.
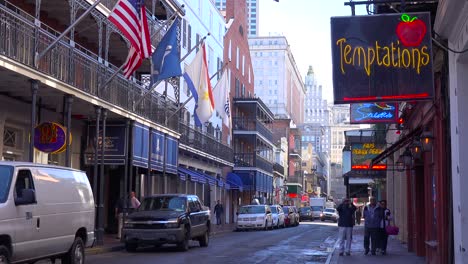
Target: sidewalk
x=112 y=244
x=396 y=252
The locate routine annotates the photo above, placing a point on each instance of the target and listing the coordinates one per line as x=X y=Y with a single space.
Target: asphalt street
x=309 y=243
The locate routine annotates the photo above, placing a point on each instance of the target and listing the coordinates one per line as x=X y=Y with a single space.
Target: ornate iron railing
x=278 y=168
x=20 y=39
x=252 y=160
x=204 y=142
x=250 y=124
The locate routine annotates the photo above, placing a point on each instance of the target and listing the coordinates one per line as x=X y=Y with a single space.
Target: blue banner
x=140 y=145
x=172 y=154
x=157 y=150
x=114 y=148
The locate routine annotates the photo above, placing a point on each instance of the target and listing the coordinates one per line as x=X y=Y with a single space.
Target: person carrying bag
x=386 y=227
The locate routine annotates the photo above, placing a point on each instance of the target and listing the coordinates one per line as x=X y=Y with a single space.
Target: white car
x=278 y=216
x=254 y=217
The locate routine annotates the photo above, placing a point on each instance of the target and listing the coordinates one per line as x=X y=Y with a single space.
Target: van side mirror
x=28 y=196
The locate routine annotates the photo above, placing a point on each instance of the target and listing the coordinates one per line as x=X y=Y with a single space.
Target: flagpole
x=123 y=64
x=156 y=84
x=191 y=97
x=38 y=57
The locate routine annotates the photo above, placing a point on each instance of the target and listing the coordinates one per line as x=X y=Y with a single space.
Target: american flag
x=129 y=16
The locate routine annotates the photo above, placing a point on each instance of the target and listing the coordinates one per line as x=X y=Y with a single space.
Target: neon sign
x=382 y=58
x=362 y=155
x=371 y=113
x=50 y=137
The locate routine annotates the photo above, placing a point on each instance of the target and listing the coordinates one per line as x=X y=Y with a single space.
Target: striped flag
x=198 y=81
x=129 y=16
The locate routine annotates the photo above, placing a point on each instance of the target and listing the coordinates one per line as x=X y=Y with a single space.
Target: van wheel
x=76 y=255
x=4 y=255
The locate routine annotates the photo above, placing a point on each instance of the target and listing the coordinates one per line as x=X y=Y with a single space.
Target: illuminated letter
x=416 y=60
x=370 y=59
x=426 y=58
x=406 y=54
x=340 y=43
x=386 y=58
x=377 y=47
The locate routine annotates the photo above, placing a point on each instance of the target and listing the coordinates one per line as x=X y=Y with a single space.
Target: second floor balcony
x=248 y=125
x=252 y=160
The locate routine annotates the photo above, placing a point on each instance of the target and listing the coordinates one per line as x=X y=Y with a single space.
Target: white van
x=45 y=212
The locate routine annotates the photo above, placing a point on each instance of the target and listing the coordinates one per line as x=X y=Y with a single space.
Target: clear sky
x=306 y=25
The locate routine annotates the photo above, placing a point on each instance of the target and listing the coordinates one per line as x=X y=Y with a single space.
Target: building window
x=189 y=37
x=10 y=137
x=184 y=33
x=230 y=50
x=237 y=57
x=243 y=65
x=197 y=40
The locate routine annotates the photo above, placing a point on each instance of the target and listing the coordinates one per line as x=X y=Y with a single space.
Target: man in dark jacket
x=373 y=215
x=346 y=212
x=218 y=210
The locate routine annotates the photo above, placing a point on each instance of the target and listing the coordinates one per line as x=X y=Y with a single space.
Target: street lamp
x=416 y=148
x=427 y=138
x=406 y=157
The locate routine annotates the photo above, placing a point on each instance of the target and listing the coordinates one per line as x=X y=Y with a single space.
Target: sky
x=306 y=25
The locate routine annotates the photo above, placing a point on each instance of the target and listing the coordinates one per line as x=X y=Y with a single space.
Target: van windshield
x=6 y=173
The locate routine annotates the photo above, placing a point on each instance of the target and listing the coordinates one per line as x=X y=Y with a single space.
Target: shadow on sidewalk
x=397 y=252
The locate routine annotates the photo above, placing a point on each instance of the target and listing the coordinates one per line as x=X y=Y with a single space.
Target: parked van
x=45 y=212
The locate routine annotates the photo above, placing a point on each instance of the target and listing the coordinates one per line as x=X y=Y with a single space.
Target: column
x=34 y=89
x=100 y=227
x=68 y=102
x=96 y=166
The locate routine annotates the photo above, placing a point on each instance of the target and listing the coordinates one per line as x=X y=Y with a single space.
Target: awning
x=194 y=176
x=402 y=142
x=234 y=181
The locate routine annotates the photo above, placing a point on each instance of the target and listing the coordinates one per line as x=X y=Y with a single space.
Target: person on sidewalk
x=386 y=218
x=218 y=210
x=134 y=202
x=373 y=215
x=346 y=212
x=358 y=216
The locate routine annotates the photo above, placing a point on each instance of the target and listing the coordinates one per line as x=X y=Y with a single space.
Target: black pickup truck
x=168 y=219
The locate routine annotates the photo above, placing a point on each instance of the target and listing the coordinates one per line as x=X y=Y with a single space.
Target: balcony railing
x=250 y=124
x=81 y=68
x=252 y=160
x=278 y=168
x=199 y=140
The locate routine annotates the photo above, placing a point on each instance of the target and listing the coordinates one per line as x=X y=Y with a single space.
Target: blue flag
x=166 y=57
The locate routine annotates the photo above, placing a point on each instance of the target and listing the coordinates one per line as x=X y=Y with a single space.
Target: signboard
x=140 y=145
x=50 y=137
x=382 y=58
x=114 y=148
x=172 y=154
x=362 y=155
x=374 y=113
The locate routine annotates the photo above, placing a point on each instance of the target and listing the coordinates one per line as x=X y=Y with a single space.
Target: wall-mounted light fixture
x=406 y=157
x=426 y=139
x=400 y=164
x=416 y=149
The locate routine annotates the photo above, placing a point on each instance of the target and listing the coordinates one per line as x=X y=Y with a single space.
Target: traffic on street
x=310 y=242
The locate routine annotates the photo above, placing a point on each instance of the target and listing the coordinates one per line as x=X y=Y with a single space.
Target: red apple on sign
x=411 y=31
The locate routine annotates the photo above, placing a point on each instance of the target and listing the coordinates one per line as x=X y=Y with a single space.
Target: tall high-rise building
x=277 y=79
x=316 y=127
x=252 y=14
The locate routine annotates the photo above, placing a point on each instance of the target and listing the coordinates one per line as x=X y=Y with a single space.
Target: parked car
x=291 y=215
x=254 y=217
x=168 y=219
x=305 y=213
x=316 y=211
x=329 y=214
x=46 y=212
x=278 y=216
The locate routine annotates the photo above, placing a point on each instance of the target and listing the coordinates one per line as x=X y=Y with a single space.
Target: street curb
x=101 y=250
x=330 y=256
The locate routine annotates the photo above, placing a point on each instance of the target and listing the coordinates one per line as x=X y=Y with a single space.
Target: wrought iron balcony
x=252 y=160
x=201 y=141
x=278 y=168
x=253 y=125
x=82 y=69
x=75 y=65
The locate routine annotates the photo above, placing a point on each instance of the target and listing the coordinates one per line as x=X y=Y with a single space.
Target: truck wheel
x=131 y=247
x=204 y=240
x=184 y=245
x=76 y=254
x=4 y=255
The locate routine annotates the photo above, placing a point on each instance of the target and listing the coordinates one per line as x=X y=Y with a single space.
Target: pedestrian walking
x=386 y=218
x=372 y=217
x=134 y=201
x=358 y=215
x=218 y=210
x=346 y=212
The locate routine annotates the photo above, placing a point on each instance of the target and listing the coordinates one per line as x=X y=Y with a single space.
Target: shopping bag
x=392 y=230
